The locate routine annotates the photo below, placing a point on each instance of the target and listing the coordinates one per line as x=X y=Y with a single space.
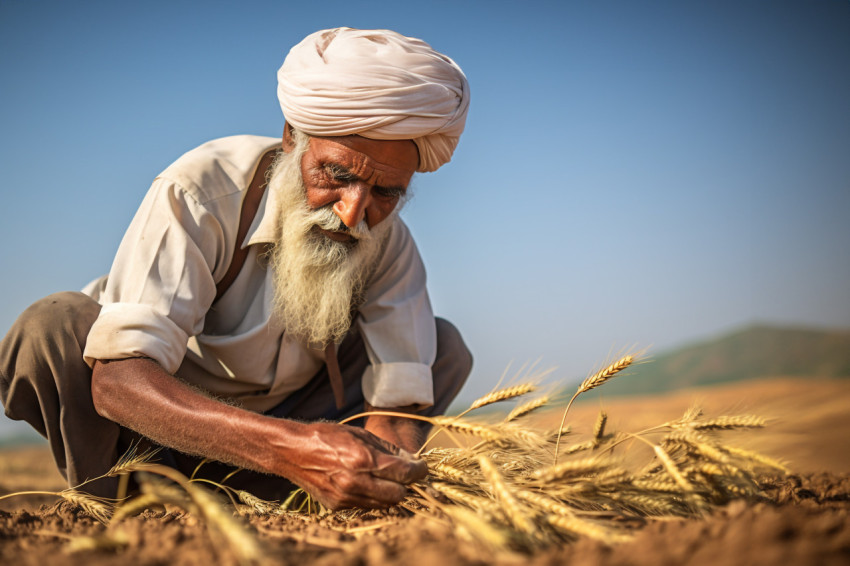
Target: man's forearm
x=138 y=394
x=342 y=466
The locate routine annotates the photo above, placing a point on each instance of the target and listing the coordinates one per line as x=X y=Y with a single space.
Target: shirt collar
x=264 y=228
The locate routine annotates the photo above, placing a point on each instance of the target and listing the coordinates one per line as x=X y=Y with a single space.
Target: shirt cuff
x=398 y=384
x=130 y=330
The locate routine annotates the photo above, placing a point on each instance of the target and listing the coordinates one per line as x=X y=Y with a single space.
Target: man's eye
x=338 y=174
x=389 y=192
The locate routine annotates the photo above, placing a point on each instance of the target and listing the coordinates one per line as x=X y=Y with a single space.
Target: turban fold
x=377 y=84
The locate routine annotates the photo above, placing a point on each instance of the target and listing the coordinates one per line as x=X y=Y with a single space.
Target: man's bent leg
x=451 y=367
x=315 y=400
x=45 y=382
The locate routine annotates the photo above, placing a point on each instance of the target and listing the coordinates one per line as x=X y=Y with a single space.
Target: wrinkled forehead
x=394 y=160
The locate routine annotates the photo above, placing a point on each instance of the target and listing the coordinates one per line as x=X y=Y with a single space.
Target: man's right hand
x=341 y=466
x=344 y=466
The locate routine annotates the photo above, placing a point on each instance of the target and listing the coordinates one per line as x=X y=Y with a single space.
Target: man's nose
x=352 y=204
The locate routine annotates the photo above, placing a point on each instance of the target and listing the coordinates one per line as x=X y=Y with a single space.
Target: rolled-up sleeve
x=397 y=325
x=162 y=281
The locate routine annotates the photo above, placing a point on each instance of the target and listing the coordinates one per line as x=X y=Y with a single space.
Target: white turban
x=377 y=84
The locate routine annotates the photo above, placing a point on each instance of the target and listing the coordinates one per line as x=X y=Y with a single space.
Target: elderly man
x=264 y=288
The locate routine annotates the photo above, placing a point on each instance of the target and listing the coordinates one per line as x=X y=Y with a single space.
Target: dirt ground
x=805 y=520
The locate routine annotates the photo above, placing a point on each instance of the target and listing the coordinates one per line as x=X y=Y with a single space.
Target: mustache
x=326 y=219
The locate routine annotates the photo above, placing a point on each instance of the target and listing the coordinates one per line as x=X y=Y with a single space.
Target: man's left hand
x=403 y=432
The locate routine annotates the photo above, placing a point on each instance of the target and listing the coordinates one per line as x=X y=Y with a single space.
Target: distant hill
x=750 y=353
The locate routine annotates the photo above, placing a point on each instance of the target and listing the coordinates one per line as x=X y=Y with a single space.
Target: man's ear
x=288 y=141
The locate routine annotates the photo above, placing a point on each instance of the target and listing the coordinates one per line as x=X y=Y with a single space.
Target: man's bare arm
x=341 y=466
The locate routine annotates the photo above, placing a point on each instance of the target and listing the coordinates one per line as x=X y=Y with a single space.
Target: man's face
x=336 y=195
x=361 y=179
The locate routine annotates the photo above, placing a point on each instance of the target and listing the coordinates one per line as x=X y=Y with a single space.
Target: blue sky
x=646 y=173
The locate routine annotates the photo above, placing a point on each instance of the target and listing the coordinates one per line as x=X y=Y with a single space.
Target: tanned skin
x=342 y=466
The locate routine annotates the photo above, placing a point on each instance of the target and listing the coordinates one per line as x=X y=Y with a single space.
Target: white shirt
x=158 y=295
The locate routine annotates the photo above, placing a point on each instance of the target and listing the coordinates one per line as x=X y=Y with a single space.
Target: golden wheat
x=502 y=395
x=570 y=469
x=599 y=428
x=472 y=429
x=593 y=381
x=605 y=374
x=578 y=526
x=133 y=507
x=257 y=505
x=757 y=458
x=671 y=468
x=99 y=508
x=545 y=503
x=526 y=408
x=504 y=492
x=727 y=422
x=512 y=508
x=451 y=473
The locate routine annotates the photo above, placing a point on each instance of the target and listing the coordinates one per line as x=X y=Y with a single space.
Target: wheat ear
x=501 y=395
x=97 y=507
x=577 y=526
x=592 y=382
x=599 y=428
x=479 y=430
x=512 y=508
x=726 y=423
x=567 y=469
x=757 y=457
x=526 y=408
x=671 y=468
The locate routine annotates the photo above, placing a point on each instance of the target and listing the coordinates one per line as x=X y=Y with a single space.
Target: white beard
x=318 y=282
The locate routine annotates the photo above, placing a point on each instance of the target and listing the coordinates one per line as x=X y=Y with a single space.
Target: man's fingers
x=402 y=469
x=386 y=492
x=366 y=490
x=376 y=441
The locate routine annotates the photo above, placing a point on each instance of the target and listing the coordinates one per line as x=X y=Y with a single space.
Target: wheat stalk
x=134 y=506
x=593 y=381
x=512 y=508
x=671 y=468
x=240 y=540
x=478 y=529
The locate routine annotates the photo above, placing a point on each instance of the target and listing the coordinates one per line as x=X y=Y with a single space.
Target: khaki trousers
x=45 y=382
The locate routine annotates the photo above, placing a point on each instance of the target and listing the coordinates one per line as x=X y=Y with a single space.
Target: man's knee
x=44 y=336
x=450 y=344
x=58 y=313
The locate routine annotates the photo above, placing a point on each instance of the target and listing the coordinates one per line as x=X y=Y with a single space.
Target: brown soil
x=806 y=521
